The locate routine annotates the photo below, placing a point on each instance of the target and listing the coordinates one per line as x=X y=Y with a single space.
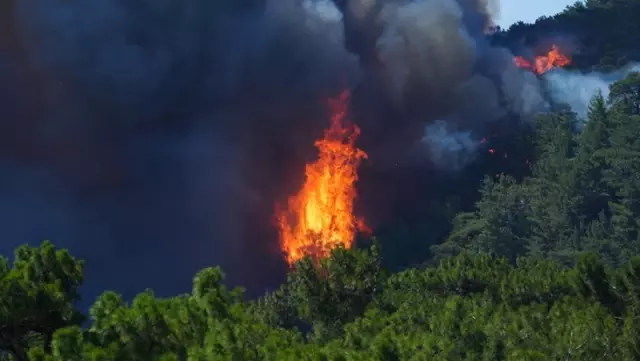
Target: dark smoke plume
x=153 y=137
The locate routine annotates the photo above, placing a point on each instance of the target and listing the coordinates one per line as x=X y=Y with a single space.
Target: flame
x=320 y=216
x=542 y=64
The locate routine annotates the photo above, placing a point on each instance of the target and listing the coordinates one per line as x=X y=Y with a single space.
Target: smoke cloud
x=449 y=149
x=577 y=89
x=153 y=138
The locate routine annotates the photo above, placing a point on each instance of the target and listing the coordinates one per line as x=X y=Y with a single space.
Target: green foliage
x=327 y=294
x=37 y=295
x=582 y=195
x=469 y=307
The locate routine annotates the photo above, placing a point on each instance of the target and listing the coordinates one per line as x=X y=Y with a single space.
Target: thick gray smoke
x=153 y=137
x=431 y=60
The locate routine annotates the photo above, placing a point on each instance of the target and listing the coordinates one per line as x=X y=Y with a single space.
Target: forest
x=542 y=264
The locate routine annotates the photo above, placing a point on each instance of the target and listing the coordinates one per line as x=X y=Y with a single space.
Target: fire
x=320 y=216
x=542 y=64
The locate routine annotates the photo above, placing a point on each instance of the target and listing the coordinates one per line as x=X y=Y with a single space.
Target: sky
x=512 y=11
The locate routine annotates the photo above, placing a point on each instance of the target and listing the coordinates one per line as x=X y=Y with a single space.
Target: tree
x=37 y=297
x=625 y=94
x=335 y=291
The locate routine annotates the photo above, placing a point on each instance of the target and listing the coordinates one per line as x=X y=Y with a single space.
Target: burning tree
x=320 y=217
x=543 y=63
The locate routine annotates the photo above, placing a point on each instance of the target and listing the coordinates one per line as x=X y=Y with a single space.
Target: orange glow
x=320 y=216
x=542 y=64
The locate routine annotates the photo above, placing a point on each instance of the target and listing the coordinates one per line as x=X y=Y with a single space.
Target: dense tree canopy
x=470 y=307
x=546 y=266
x=582 y=195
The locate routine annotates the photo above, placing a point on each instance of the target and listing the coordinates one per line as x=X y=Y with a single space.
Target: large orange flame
x=542 y=64
x=320 y=216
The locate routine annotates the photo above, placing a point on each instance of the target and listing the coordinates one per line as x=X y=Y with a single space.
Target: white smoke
x=450 y=149
x=577 y=89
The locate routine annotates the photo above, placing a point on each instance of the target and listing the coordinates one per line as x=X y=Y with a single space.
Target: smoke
x=425 y=41
x=577 y=89
x=429 y=60
x=449 y=149
x=146 y=136
x=152 y=138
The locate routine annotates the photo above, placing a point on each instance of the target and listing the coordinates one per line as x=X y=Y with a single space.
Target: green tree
x=498 y=225
x=37 y=297
x=336 y=290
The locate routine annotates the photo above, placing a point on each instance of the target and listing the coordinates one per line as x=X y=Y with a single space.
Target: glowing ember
x=542 y=64
x=320 y=216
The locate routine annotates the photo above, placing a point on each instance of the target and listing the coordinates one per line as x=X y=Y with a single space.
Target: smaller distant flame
x=544 y=63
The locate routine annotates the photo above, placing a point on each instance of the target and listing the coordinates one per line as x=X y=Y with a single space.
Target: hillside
x=539 y=262
x=596 y=46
